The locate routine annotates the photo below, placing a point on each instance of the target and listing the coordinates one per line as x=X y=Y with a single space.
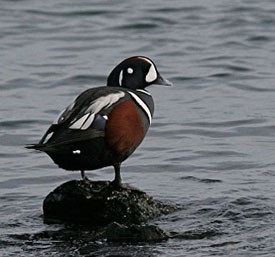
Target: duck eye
x=130 y=70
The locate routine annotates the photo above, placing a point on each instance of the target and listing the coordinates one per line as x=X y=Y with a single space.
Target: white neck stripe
x=152 y=73
x=142 y=105
x=143 y=91
x=120 y=78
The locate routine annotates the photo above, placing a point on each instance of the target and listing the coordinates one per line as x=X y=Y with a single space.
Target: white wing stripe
x=88 y=122
x=104 y=101
x=142 y=105
x=47 y=138
x=79 y=123
x=96 y=106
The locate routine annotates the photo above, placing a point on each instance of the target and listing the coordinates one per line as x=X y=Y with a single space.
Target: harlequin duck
x=104 y=125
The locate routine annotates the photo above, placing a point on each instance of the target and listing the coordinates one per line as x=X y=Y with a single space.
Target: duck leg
x=117 y=181
x=83 y=175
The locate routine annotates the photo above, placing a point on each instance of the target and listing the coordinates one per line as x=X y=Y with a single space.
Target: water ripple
x=70 y=14
x=211 y=145
x=201 y=180
x=246 y=87
x=225 y=124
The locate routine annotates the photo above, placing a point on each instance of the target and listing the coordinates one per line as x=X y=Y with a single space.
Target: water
x=211 y=145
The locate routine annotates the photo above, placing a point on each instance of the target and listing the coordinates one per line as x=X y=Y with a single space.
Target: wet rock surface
x=131 y=233
x=117 y=214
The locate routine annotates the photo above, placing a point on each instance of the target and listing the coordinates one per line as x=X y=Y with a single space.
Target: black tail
x=49 y=148
x=39 y=147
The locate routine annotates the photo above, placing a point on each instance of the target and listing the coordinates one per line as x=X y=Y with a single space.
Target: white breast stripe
x=143 y=91
x=79 y=123
x=88 y=122
x=142 y=105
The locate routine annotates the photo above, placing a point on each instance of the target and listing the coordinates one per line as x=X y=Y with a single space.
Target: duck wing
x=83 y=119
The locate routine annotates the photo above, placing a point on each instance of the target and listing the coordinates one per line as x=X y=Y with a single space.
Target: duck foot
x=85 y=179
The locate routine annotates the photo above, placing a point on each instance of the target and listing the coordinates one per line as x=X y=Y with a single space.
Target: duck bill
x=163 y=82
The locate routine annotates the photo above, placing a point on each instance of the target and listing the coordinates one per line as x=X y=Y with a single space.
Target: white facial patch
x=130 y=70
x=96 y=106
x=120 y=78
x=152 y=74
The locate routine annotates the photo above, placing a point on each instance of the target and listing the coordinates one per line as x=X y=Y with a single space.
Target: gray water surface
x=210 y=148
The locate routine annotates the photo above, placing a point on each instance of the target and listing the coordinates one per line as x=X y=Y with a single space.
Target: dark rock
x=84 y=236
x=99 y=204
x=134 y=233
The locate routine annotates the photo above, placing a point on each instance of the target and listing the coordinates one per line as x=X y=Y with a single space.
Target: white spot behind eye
x=120 y=78
x=130 y=70
x=152 y=74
